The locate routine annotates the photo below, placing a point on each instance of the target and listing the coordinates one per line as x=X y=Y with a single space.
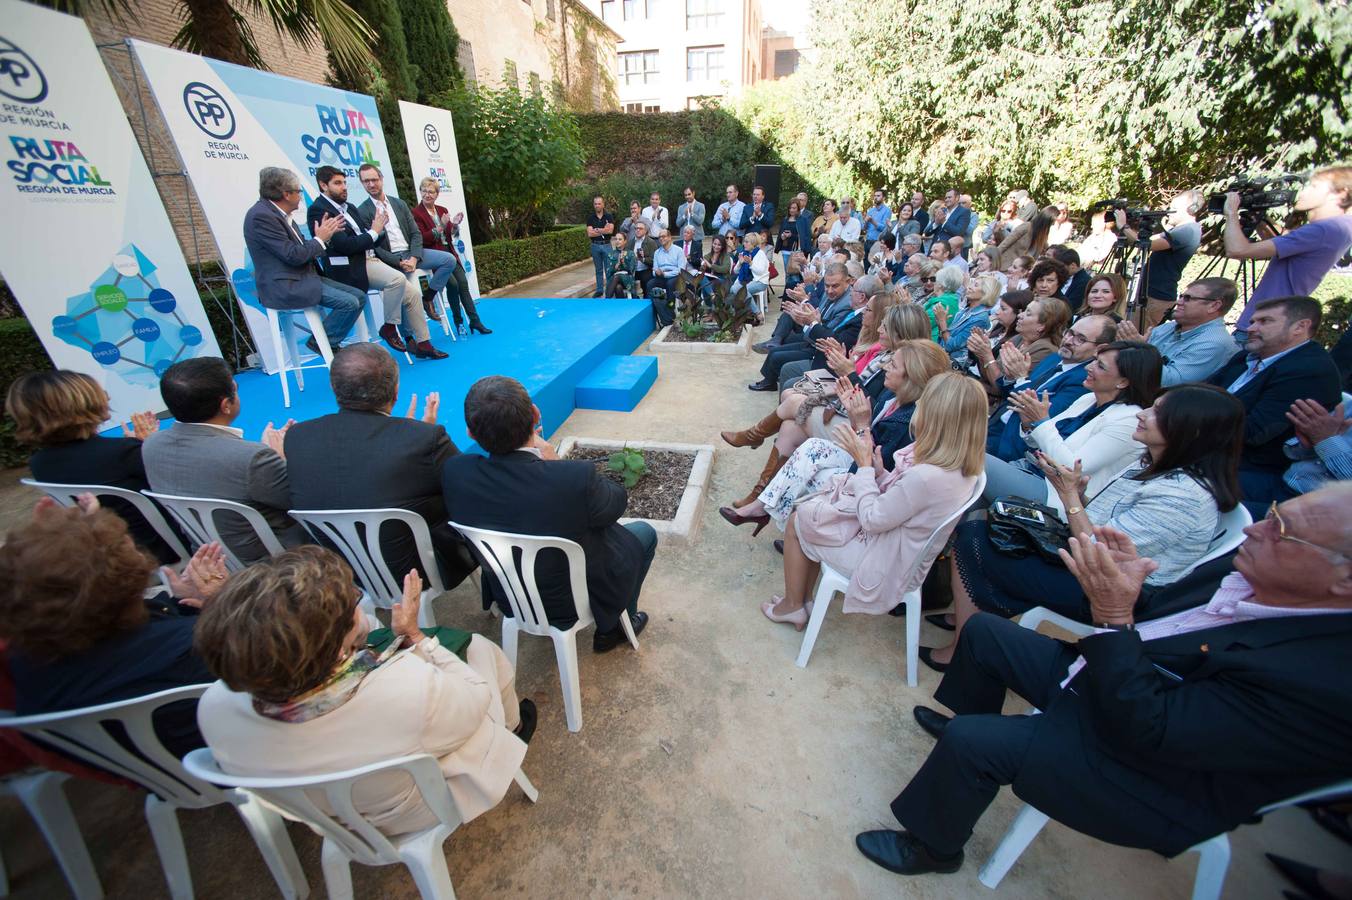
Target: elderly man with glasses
x=1195 y=343
x=1154 y=734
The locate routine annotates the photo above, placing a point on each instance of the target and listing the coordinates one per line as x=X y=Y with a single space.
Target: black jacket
x=521 y=493
x=365 y=460
x=1306 y=373
x=344 y=257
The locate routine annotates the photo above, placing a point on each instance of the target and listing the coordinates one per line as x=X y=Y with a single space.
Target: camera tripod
x=1246 y=270
x=1131 y=260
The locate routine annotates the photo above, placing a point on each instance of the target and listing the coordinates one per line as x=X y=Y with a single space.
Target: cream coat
x=1104 y=446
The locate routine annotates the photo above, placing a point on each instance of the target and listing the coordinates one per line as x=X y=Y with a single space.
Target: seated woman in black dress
x=60 y=413
x=77 y=628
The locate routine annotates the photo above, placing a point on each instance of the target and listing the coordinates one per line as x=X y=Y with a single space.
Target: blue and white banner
x=430 y=137
x=85 y=244
x=230 y=121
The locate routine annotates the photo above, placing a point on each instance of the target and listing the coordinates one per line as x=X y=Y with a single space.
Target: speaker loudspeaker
x=768 y=178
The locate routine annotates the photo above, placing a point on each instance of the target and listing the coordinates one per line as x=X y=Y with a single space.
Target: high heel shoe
x=730 y=514
x=797 y=618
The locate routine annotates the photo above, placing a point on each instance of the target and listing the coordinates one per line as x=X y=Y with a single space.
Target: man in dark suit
x=523 y=487
x=645 y=248
x=396 y=461
x=1281 y=363
x=838 y=317
x=956 y=220
x=1073 y=289
x=284 y=261
x=759 y=214
x=344 y=263
x=1158 y=735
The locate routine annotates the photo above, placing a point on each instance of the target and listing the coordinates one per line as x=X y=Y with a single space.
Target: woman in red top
x=439 y=231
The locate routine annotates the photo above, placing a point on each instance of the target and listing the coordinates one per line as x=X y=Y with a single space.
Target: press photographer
x=1301 y=257
x=1170 y=251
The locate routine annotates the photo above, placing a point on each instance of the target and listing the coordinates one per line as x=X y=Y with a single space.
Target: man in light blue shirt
x=1322 y=447
x=877 y=221
x=1195 y=343
x=667 y=264
x=728 y=216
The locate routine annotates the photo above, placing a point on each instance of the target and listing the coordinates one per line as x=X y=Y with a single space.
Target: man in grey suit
x=202 y=456
x=690 y=213
x=284 y=261
x=398 y=253
x=398 y=466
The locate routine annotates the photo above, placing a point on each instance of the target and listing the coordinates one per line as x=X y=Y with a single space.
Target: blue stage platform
x=549 y=345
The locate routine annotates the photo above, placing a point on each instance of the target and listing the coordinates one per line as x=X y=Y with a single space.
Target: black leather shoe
x=480 y=327
x=313 y=346
x=779 y=546
x=605 y=641
x=763 y=386
x=902 y=852
x=931 y=722
x=927 y=657
x=425 y=350
x=1302 y=875
x=528 y=719
x=940 y=620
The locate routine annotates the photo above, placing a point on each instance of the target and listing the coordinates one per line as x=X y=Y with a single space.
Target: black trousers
x=783 y=328
x=779 y=356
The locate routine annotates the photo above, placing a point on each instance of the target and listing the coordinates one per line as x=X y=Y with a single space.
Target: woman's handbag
x=1019 y=527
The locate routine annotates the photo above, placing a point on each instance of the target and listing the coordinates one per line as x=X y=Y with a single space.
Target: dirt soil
x=658 y=493
x=677 y=336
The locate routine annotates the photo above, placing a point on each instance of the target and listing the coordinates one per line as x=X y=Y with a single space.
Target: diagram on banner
x=128 y=322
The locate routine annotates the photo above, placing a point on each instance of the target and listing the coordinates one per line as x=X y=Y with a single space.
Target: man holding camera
x=1170 y=251
x=1301 y=257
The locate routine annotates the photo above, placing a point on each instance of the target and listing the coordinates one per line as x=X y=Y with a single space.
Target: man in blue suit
x=1060 y=375
x=957 y=221
x=759 y=214
x=284 y=260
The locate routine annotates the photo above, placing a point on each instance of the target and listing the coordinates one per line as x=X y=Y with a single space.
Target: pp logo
x=431 y=138
x=20 y=77
x=208 y=110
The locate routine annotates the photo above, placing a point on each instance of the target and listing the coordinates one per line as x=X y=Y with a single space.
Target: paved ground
x=708 y=765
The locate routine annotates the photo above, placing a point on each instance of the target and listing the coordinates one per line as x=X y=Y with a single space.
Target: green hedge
x=502 y=263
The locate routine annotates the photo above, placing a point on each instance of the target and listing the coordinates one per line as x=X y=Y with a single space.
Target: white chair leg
x=1022 y=830
x=628 y=627
x=912 y=603
x=426 y=861
x=337 y=871
x=321 y=337
x=275 y=328
x=426 y=618
x=292 y=354
x=565 y=650
x=42 y=795
x=163 y=820
x=269 y=833
x=821 y=600
x=1211 y=868
x=439 y=300
x=509 y=632
x=526 y=787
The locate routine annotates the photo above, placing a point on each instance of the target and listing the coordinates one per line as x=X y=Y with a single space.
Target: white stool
x=283 y=335
x=367 y=328
x=440 y=301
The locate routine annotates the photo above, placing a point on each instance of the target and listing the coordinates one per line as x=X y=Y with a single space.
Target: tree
x=433 y=43
x=517 y=154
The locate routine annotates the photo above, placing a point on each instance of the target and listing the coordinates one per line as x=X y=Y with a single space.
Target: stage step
x=618 y=383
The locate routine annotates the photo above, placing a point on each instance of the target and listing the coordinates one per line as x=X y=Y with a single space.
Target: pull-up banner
x=85 y=244
x=430 y=137
x=230 y=121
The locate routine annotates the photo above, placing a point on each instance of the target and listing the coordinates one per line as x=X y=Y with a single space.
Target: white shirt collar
x=237 y=432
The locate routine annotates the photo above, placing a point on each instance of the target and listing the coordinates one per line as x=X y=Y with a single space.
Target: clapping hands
x=430 y=409
x=1110 y=572
x=276 y=437
x=1031 y=407
x=141 y=426
x=1314 y=424
x=404 y=616
x=859 y=446
x=1068 y=481
x=202 y=577
x=1015 y=362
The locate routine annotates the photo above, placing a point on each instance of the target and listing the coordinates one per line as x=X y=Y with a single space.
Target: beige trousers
x=401 y=297
x=487 y=658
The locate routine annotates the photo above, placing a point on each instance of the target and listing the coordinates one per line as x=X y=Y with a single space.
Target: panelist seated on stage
x=440 y=230
x=397 y=463
x=524 y=488
x=284 y=260
x=1156 y=735
x=202 y=456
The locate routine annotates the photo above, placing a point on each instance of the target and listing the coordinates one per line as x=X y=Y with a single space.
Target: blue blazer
x=956 y=224
x=765 y=220
x=284 y=263
x=1005 y=439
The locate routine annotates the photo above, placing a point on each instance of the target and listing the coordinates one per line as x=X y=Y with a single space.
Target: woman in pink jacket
x=872 y=524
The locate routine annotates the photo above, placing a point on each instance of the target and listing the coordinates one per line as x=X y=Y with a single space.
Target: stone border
x=740 y=347
x=684 y=527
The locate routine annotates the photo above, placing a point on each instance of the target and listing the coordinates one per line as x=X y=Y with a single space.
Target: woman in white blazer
x=301 y=692
x=1095 y=430
x=756 y=275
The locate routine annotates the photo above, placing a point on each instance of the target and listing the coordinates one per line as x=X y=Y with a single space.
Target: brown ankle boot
x=772 y=467
x=754 y=436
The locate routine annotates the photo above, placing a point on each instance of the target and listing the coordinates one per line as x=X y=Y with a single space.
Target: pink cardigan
x=895 y=513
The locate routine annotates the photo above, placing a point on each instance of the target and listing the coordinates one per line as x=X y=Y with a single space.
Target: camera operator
x=1170 y=251
x=1301 y=257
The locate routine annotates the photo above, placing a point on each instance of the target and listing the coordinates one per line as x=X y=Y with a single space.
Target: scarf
x=336 y=690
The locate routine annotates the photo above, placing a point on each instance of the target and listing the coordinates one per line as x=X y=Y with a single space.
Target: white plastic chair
x=832 y=582
x=348 y=835
x=368 y=324
x=197 y=515
x=83 y=734
x=282 y=329
x=1214 y=852
x=40 y=792
x=1229 y=535
x=356 y=535
x=498 y=550
x=65 y=494
x=441 y=303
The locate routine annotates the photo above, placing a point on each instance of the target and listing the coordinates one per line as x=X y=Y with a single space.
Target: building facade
x=675 y=54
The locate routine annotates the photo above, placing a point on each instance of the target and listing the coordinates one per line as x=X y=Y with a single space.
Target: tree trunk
x=218 y=36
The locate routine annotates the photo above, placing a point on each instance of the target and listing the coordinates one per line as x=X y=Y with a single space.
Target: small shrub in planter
x=630 y=465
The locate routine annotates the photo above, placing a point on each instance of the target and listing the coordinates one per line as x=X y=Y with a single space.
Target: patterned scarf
x=336 y=690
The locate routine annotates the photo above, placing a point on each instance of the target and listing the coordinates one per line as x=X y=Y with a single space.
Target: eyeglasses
x=1274 y=516
x=1076 y=338
x=1186 y=298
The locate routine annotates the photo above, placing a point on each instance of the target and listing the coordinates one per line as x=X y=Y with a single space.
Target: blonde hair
x=429 y=180
x=905 y=322
x=949 y=424
x=921 y=360
x=989 y=288
x=56 y=407
x=927 y=267
x=753 y=239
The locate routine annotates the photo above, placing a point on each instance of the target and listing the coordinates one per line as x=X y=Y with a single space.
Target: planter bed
x=669 y=340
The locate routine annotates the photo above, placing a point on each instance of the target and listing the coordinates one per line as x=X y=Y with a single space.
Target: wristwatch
x=1074 y=510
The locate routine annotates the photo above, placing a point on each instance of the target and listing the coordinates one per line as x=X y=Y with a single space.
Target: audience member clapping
x=1047 y=277
x=1195 y=342
x=906 y=223
x=977 y=299
x=1106 y=295
x=301 y=692
x=1036 y=332
x=1321 y=451
x=871 y=525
